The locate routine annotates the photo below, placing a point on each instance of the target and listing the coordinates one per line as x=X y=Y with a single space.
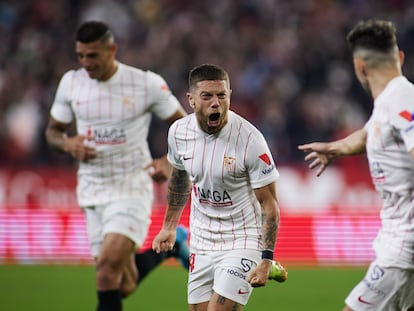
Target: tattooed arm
x=270 y=224
x=177 y=196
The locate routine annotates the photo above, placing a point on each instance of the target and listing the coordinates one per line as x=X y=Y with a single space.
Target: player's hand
x=159 y=169
x=164 y=241
x=78 y=147
x=319 y=154
x=259 y=276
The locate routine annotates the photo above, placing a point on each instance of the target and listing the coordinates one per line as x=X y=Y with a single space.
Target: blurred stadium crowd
x=290 y=68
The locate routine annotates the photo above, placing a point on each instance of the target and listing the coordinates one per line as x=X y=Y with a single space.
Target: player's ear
x=113 y=48
x=401 y=54
x=359 y=66
x=191 y=100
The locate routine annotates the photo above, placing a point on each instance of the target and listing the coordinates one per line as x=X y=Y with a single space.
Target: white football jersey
x=390 y=137
x=224 y=169
x=117 y=113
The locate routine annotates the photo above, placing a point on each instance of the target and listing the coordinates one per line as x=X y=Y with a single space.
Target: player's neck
x=111 y=72
x=379 y=80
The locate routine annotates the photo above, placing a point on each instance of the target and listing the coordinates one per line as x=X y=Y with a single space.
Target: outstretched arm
x=323 y=154
x=270 y=223
x=177 y=196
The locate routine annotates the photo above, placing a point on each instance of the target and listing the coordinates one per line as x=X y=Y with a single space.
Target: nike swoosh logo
x=187 y=158
x=242 y=292
x=363 y=301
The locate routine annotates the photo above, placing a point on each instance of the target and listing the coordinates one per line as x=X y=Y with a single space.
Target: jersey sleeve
x=61 y=109
x=162 y=102
x=260 y=164
x=402 y=117
x=172 y=154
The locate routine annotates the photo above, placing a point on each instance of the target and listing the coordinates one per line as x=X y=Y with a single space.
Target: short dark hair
x=207 y=72
x=373 y=34
x=92 y=31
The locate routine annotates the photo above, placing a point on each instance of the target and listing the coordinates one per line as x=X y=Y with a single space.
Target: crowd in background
x=290 y=67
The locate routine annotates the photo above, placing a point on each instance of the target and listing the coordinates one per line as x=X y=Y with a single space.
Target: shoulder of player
x=74 y=76
x=185 y=121
x=153 y=80
x=243 y=124
x=392 y=103
x=396 y=94
x=184 y=126
x=130 y=70
x=149 y=73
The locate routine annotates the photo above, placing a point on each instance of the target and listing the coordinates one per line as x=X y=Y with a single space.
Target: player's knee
x=127 y=288
x=107 y=273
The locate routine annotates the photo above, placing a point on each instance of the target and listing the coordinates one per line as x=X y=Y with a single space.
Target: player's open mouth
x=213 y=119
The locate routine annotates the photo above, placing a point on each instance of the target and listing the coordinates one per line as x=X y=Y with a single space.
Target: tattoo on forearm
x=178 y=189
x=270 y=230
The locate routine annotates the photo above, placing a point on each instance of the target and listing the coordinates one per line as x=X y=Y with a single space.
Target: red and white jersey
x=117 y=113
x=390 y=137
x=224 y=168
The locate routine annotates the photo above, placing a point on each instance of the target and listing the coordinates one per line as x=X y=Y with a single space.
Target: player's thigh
x=198 y=306
x=221 y=303
x=116 y=249
x=231 y=274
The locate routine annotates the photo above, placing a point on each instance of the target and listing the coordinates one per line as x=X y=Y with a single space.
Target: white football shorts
x=383 y=288
x=223 y=272
x=129 y=218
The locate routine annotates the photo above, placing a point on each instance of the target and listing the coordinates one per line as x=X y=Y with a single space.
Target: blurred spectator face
x=211 y=101
x=98 y=58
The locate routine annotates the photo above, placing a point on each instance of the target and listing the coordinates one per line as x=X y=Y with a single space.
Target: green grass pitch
x=69 y=288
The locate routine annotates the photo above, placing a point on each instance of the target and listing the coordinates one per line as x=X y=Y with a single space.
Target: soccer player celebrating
x=111 y=104
x=226 y=164
x=388 y=140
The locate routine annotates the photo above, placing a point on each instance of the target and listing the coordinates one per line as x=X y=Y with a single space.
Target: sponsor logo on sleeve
x=409 y=116
x=265 y=158
x=270 y=166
